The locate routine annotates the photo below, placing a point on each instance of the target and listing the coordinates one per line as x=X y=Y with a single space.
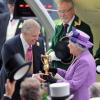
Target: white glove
x=98 y=68
x=52 y=56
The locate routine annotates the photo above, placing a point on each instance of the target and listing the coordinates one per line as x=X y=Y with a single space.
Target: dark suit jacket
x=58 y=35
x=4 y=20
x=97 y=56
x=5 y=98
x=12 y=47
x=3 y=6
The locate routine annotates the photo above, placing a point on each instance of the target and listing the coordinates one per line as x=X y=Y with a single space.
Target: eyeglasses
x=65 y=11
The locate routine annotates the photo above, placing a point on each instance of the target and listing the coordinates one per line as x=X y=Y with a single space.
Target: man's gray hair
x=68 y=1
x=30 y=89
x=29 y=26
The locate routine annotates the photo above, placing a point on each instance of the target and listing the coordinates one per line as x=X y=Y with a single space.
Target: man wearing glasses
x=69 y=19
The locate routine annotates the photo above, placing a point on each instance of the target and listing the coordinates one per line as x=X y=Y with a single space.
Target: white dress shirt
x=70 y=23
x=25 y=47
x=24 y=43
x=12 y=26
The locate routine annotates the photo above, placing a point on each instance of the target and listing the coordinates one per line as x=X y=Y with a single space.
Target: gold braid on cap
x=77 y=23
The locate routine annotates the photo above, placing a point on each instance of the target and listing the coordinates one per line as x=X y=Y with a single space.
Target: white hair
x=29 y=26
x=82 y=48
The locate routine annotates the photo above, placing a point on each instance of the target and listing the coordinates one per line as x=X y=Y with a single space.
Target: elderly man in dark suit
x=29 y=37
x=66 y=13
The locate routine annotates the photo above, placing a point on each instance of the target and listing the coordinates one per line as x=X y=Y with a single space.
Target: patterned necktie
x=28 y=56
x=65 y=26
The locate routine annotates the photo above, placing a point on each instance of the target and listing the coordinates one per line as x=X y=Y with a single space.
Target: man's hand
x=9 y=88
x=38 y=77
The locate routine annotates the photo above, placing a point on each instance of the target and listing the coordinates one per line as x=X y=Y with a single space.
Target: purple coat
x=81 y=74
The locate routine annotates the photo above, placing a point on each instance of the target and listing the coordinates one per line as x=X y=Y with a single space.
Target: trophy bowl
x=45 y=61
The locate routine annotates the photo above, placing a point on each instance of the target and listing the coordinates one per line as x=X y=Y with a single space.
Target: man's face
x=65 y=11
x=32 y=37
x=11 y=8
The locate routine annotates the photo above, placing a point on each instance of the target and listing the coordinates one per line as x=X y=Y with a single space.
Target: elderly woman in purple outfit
x=81 y=74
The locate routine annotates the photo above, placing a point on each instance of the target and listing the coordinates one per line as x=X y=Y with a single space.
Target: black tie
x=65 y=26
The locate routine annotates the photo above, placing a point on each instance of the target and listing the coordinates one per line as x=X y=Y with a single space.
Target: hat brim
x=87 y=44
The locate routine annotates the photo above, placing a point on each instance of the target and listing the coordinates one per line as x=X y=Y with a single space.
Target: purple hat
x=80 y=37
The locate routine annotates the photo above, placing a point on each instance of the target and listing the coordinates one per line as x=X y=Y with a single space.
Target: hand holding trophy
x=48 y=77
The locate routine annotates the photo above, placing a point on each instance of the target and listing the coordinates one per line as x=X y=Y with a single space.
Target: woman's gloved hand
x=49 y=78
x=53 y=71
x=52 y=57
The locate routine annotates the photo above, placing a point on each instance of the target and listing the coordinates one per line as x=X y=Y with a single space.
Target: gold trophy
x=45 y=61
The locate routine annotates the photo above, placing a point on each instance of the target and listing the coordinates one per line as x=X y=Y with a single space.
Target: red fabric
x=28 y=56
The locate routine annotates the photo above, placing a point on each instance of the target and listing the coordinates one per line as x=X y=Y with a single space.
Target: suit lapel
x=19 y=26
x=19 y=46
x=5 y=22
x=58 y=33
x=76 y=22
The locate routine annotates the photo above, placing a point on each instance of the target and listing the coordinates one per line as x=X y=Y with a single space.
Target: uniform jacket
x=58 y=35
x=12 y=47
x=81 y=74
